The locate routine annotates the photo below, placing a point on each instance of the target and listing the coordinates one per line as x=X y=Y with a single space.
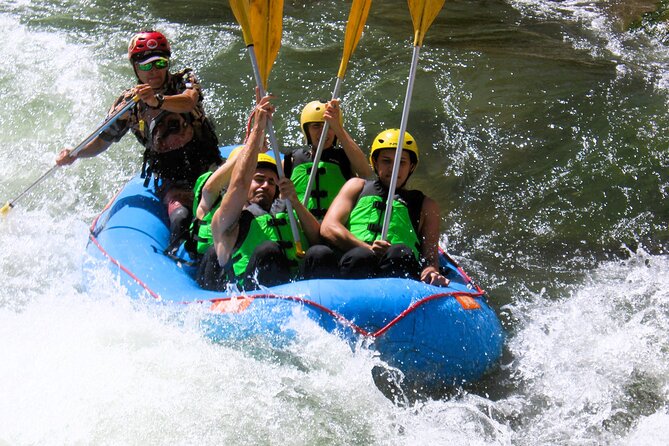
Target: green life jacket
x=256 y=226
x=333 y=171
x=366 y=219
x=200 y=229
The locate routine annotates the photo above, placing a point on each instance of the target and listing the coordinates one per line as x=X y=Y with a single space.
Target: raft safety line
x=460 y=270
x=344 y=320
x=107 y=206
x=302 y=300
x=153 y=294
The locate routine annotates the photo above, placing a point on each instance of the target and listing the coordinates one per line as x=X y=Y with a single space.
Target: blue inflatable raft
x=436 y=336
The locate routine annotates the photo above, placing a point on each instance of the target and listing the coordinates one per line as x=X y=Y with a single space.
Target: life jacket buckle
x=276 y=222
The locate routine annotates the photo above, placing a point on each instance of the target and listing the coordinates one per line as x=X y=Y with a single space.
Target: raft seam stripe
x=107 y=206
x=343 y=320
x=123 y=268
x=419 y=303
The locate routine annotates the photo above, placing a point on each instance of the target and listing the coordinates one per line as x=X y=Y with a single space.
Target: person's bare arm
x=333 y=226
x=97 y=145
x=309 y=224
x=225 y=221
x=93 y=148
x=429 y=239
x=359 y=163
x=178 y=103
x=213 y=187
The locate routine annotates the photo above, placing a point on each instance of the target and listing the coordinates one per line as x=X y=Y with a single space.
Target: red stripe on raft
x=417 y=304
x=107 y=206
x=123 y=268
x=302 y=300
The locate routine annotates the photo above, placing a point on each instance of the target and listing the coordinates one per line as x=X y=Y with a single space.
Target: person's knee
x=267 y=251
x=178 y=216
x=210 y=275
x=399 y=251
x=268 y=265
x=358 y=263
x=177 y=196
x=399 y=261
x=180 y=219
x=320 y=262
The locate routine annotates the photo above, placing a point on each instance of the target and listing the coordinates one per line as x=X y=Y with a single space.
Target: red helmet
x=148 y=42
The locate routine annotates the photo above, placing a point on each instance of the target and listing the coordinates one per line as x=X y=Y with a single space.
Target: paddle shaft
x=356 y=22
x=275 y=149
x=400 y=143
x=104 y=126
x=319 y=149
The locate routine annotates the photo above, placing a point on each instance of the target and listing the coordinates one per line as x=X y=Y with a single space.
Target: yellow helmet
x=313 y=112
x=234 y=152
x=388 y=139
x=264 y=160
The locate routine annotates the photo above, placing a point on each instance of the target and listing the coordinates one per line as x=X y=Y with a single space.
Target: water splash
x=591 y=364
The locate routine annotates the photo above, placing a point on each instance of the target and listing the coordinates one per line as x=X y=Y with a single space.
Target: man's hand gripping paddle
x=423 y=13
x=261 y=22
x=356 y=23
x=73 y=154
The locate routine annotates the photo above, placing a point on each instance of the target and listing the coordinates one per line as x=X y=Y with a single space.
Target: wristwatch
x=160 y=98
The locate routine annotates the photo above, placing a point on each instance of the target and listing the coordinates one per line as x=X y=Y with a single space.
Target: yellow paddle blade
x=5 y=209
x=356 y=23
x=240 y=8
x=423 y=13
x=266 y=18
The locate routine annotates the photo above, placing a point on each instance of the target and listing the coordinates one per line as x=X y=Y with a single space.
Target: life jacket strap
x=318 y=213
x=285 y=244
x=276 y=222
x=318 y=193
x=321 y=170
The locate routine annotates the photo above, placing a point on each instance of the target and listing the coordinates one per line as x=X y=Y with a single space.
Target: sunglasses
x=160 y=64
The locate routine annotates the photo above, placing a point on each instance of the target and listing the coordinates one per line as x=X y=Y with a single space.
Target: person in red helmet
x=169 y=121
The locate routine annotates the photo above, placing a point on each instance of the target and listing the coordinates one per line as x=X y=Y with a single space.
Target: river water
x=541 y=127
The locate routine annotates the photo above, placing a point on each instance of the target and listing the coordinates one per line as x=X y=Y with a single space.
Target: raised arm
x=309 y=224
x=225 y=221
x=213 y=187
x=359 y=163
